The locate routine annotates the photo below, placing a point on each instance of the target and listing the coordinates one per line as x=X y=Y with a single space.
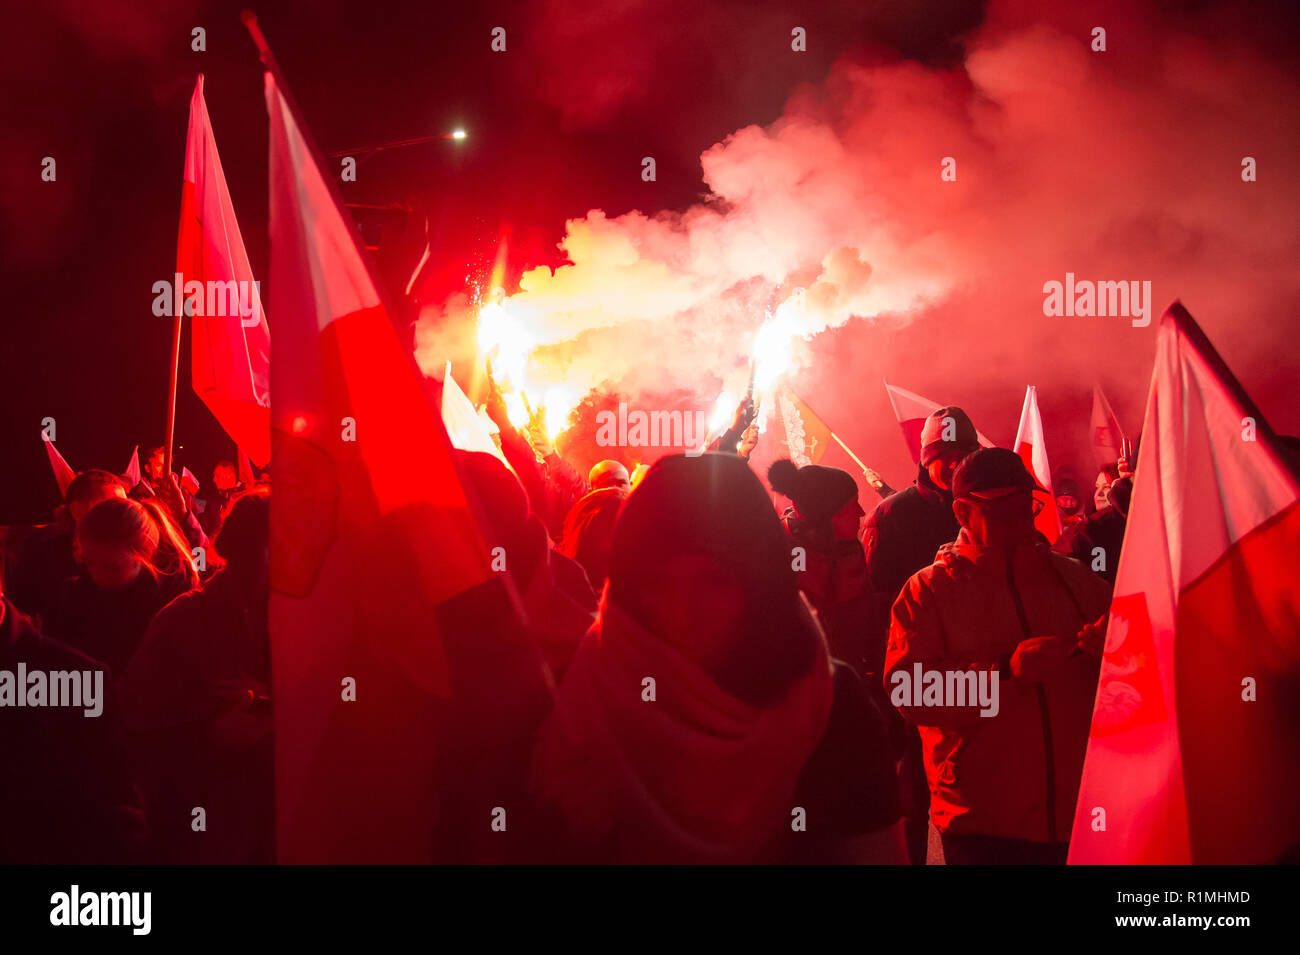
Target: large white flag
x=1194 y=753
x=1031 y=445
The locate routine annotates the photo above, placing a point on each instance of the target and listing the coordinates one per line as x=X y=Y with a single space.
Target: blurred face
x=697 y=606
x=154 y=466
x=847 y=523
x=1067 y=503
x=1102 y=489
x=79 y=509
x=109 y=567
x=223 y=478
x=1000 y=522
x=941 y=468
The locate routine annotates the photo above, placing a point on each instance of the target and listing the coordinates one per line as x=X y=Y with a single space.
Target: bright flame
x=556 y=406
x=722 y=411
x=458 y=134
x=504 y=341
x=516 y=410
x=772 y=347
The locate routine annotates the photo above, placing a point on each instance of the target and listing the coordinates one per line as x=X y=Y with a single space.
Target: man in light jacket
x=999 y=610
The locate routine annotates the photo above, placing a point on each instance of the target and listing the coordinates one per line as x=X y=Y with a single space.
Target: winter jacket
x=1015 y=774
x=109 y=624
x=65 y=790
x=900 y=537
x=905 y=531
x=694 y=776
x=196 y=702
x=1104 y=529
x=589 y=531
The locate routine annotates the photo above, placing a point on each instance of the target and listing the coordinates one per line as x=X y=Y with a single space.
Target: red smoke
x=1116 y=165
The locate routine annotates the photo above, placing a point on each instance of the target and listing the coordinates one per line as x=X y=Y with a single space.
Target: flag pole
x=178 y=298
x=856 y=460
x=249 y=20
x=171 y=392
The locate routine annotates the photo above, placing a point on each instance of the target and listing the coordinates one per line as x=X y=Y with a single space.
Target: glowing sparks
x=458 y=134
x=504 y=342
x=772 y=347
x=556 y=406
x=720 y=417
x=516 y=408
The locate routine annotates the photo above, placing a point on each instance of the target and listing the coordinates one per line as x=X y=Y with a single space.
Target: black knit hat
x=818 y=493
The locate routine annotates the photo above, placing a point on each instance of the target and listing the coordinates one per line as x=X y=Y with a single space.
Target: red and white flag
x=132 y=471
x=1194 y=753
x=63 y=472
x=1032 y=448
x=232 y=348
x=911 y=410
x=244 y=469
x=465 y=426
x=371 y=530
x=1106 y=432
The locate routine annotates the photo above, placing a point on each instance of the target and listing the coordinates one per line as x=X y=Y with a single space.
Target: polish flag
x=231 y=355
x=1194 y=753
x=376 y=559
x=132 y=471
x=1106 y=432
x=911 y=410
x=244 y=470
x=464 y=424
x=63 y=472
x=1032 y=448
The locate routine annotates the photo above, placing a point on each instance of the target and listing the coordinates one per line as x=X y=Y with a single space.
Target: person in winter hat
x=901 y=536
x=1001 y=610
x=824 y=521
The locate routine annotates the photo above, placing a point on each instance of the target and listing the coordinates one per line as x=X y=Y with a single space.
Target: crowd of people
x=724 y=677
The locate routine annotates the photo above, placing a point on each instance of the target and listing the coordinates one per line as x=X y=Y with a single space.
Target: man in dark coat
x=65 y=791
x=902 y=536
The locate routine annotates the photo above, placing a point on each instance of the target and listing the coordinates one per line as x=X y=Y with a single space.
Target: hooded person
x=824 y=520
x=1001 y=614
x=589 y=525
x=689 y=710
x=589 y=531
x=901 y=536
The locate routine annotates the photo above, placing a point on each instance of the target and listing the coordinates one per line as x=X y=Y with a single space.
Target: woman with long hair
x=136 y=561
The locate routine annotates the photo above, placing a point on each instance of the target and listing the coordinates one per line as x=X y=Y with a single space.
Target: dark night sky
x=558 y=125
x=104 y=88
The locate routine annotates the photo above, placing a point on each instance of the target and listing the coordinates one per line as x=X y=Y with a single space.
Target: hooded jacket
x=694 y=776
x=1014 y=774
